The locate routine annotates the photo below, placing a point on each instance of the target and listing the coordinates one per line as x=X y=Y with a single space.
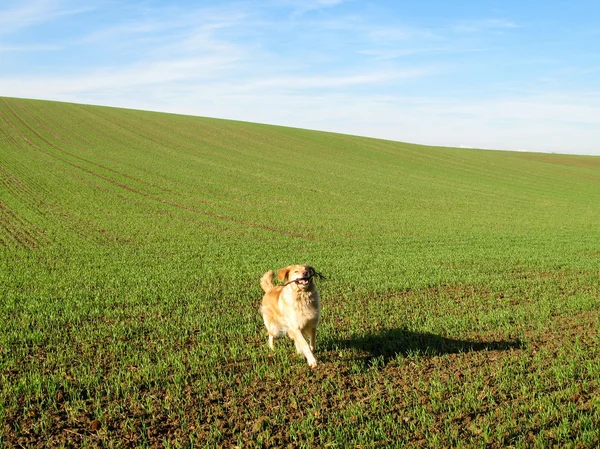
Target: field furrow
x=17 y=231
x=77 y=146
x=48 y=125
x=96 y=170
x=17 y=183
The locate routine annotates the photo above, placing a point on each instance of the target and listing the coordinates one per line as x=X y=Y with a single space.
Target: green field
x=460 y=305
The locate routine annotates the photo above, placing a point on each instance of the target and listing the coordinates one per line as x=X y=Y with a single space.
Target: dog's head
x=298 y=275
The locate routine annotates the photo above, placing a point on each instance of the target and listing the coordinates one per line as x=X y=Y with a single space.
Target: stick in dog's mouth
x=301 y=281
x=306 y=280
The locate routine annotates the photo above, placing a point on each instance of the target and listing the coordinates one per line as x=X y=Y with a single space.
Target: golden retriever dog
x=293 y=308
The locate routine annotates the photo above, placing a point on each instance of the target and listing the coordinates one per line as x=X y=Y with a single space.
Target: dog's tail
x=266 y=282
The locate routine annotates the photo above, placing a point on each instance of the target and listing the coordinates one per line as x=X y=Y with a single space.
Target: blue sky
x=517 y=75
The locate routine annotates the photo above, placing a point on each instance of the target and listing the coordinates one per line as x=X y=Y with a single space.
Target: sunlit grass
x=460 y=305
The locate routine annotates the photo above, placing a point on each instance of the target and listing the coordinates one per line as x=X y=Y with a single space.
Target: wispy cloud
x=23 y=14
x=300 y=7
x=331 y=82
x=482 y=25
x=136 y=76
x=28 y=48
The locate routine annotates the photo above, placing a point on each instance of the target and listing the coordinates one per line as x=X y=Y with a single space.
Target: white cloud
x=25 y=14
x=106 y=80
x=481 y=25
x=330 y=82
x=301 y=7
x=28 y=48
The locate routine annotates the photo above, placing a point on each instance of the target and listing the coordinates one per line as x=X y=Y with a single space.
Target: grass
x=460 y=306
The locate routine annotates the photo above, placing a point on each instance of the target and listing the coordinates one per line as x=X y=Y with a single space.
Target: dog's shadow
x=387 y=345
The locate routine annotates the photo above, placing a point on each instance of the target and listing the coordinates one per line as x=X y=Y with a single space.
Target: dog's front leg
x=310 y=335
x=302 y=346
x=313 y=338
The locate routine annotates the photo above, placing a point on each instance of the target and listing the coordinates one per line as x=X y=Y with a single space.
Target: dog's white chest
x=306 y=309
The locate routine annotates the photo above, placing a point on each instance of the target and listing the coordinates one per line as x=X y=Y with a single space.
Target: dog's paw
x=312 y=363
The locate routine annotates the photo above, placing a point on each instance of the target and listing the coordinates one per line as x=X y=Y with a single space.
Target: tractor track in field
x=129 y=188
x=15 y=230
x=146 y=136
x=18 y=231
x=16 y=181
x=68 y=153
x=19 y=189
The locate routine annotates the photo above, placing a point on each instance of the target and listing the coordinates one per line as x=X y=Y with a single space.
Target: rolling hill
x=76 y=175
x=132 y=243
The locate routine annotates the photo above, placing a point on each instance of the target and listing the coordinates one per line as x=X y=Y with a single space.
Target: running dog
x=293 y=308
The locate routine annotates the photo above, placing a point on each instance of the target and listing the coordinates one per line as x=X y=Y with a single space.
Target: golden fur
x=293 y=309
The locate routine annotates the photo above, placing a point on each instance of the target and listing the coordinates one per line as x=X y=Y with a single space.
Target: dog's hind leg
x=272 y=329
x=271 y=345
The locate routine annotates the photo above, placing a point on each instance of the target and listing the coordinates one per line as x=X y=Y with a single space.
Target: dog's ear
x=282 y=273
x=311 y=270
